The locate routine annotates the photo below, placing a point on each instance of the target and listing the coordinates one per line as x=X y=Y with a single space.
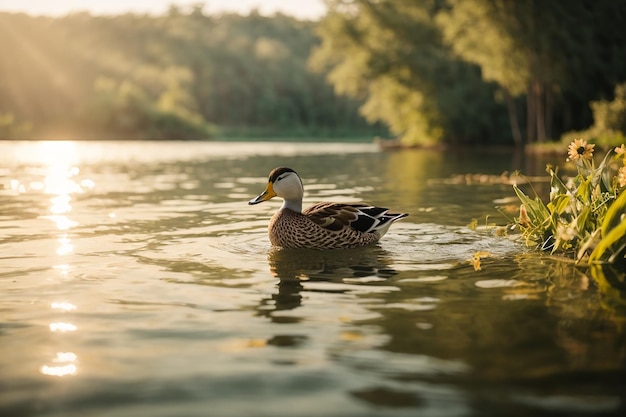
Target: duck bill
x=264 y=196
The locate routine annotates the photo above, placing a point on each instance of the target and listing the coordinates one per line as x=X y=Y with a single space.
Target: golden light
x=62 y=327
x=16 y=186
x=87 y=183
x=62 y=151
x=62 y=222
x=65 y=357
x=61 y=370
x=63 y=270
x=61 y=204
x=59 y=177
x=63 y=361
x=60 y=159
x=65 y=246
x=65 y=306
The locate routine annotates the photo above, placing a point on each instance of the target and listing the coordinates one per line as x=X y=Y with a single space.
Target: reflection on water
x=332 y=272
x=63 y=365
x=341 y=266
x=135 y=280
x=56 y=163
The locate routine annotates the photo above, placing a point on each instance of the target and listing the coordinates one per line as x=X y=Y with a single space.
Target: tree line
x=469 y=71
x=429 y=71
x=183 y=75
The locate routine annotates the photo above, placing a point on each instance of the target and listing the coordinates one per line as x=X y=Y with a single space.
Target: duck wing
x=362 y=217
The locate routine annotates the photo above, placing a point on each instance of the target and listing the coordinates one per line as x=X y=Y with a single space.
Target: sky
x=303 y=9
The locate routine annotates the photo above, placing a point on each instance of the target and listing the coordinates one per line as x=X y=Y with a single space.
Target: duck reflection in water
x=295 y=267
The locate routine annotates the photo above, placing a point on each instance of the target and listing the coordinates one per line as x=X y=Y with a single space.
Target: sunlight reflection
x=61 y=370
x=65 y=246
x=62 y=222
x=63 y=305
x=65 y=357
x=16 y=186
x=63 y=269
x=60 y=159
x=36 y=186
x=62 y=327
x=61 y=204
x=65 y=151
x=87 y=183
x=58 y=178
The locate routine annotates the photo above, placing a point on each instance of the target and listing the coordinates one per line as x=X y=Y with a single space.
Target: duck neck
x=293 y=205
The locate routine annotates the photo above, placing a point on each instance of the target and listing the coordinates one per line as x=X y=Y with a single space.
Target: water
x=136 y=281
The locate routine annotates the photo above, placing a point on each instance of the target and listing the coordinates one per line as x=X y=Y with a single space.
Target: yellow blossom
x=620 y=151
x=578 y=149
x=621 y=176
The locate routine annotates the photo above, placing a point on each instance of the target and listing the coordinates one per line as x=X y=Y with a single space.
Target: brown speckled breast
x=289 y=229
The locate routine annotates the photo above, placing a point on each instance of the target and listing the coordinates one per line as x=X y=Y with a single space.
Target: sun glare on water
x=59 y=158
x=58 y=164
x=63 y=365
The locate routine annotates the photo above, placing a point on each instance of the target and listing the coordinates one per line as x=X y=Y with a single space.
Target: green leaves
x=613 y=231
x=172 y=76
x=390 y=53
x=535 y=219
x=585 y=215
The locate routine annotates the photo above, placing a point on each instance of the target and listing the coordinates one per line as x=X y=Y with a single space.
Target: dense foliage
x=392 y=54
x=432 y=71
x=177 y=76
x=586 y=215
x=609 y=121
x=448 y=70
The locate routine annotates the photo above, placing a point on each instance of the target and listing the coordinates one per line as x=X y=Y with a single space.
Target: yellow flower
x=621 y=176
x=578 y=149
x=620 y=151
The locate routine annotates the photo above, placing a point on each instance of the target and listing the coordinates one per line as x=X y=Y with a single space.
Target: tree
x=546 y=52
x=391 y=54
x=171 y=76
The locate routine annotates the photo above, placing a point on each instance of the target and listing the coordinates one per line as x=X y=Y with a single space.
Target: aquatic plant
x=586 y=215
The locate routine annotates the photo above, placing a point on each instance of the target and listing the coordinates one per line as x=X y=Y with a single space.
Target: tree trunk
x=540 y=113
x=513 y=120
x=549 y=111
x=530 y=113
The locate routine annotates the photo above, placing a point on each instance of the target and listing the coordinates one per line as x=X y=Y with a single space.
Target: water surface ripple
x=136 y=281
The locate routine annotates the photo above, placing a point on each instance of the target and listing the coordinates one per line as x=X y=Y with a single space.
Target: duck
x=324 y=225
